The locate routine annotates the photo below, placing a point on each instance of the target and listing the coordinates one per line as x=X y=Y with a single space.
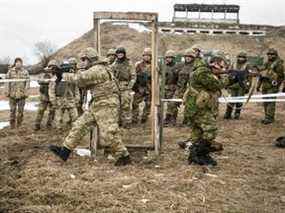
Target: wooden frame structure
x=152 y=19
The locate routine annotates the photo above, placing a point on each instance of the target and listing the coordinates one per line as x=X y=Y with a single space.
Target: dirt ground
x=250 y=176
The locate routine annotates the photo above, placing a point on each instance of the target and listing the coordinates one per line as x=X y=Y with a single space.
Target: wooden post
x=97 y=37
x=155 y=99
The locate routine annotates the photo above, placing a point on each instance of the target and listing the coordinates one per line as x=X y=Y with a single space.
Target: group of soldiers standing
x=117 y=90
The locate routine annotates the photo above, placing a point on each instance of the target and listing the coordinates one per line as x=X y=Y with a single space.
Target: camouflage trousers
x=65 y=105
x=43 y=106
x=204 y=126
x=172 y=107
x=237 y=107
x=269 y=110
x=16 y=107
x=104 y=115
x=83 y=99
x=125 y=113
x=269 y=107
x=72 y=115
x=139 y=98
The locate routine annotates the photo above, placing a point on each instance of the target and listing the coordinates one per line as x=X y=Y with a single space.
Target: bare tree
x=44 y=50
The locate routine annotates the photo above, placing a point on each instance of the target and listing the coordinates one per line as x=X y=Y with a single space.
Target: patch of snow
x=34 y=84
x=83 y=152
x=29 y=106
x=3 y=124
x=139 y=27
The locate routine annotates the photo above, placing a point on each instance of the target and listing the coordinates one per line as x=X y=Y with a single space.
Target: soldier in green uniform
x=44 y=98
x=103 y=110
x=240 y=88
x=170 y=70
x=125 y=76
x=201 y=102
x=184 y=76
x=142 y=87
x=272 y=76
x=17 y=92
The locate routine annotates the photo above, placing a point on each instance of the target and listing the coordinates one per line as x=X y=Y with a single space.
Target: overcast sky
x=24 y=22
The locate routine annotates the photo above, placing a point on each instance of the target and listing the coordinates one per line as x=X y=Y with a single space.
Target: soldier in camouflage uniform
x=17 y=92
x=142 y=87
x=125 y=76
x=184 y=76
x=201 y=102
x=239 y=88
x=272 y=76
x=170 y=70
x=111 y=56
x=102 y=112
x=67 y=95
x=44 y=98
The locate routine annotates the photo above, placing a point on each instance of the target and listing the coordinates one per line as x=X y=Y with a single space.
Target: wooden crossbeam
x=139 y=16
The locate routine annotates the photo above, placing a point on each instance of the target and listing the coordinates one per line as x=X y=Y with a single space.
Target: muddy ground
x=250 y=176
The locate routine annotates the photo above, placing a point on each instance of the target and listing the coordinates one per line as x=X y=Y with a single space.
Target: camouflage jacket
x=204 y=89
x=17 y=90
x=143 y=77
x=100 y=79
x=183 y=78
x=272 y=75
x=171 y=75
x=124 y=74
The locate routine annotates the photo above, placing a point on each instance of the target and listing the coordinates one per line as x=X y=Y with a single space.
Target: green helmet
x=111 y=52
x=272 y=51
x=53 y=62
x=242 y=54
x=190 y=52
x=147 y=51
x=170 y=53
x=90 y=53
x=218 y=55
x=72 y=61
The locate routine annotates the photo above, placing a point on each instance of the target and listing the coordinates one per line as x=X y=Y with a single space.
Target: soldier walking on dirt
x=142 y=87
x=17 y=92
x=272 y=76
x=45 y=102
x=125 y=77
x=103 y=110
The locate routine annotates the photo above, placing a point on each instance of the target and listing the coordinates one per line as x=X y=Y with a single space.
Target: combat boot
x=37 y=127
x=61 y=152
x=143 y=120
x=19 y=121
x=228 y=113
x=12 y=124
x=185 y=144
x=199 y=154
x=266 y=121
x=216 y=147
x=237 y=116
x=280 y=142
x=123 y=161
